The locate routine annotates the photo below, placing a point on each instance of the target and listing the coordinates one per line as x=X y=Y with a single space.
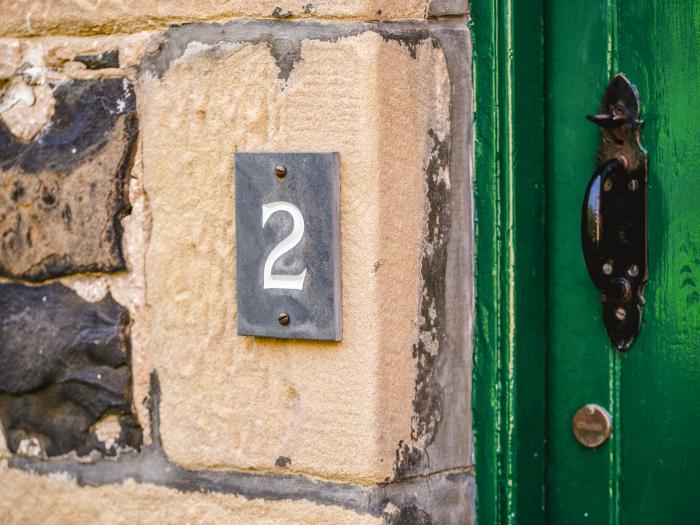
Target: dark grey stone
x=442 y=404
x=108 y=59
x=63 y=194
x=64 y=364
x=312 y=184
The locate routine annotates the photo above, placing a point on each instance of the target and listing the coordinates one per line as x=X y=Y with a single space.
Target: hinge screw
x=633 y=271
x=608 y=268
x=283 y=318
x=633 y=185
x=621 y=314
x=607 y=185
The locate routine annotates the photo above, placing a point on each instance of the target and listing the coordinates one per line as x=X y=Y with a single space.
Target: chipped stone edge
x=444 y=497
x=448 y=8
x=439 y=484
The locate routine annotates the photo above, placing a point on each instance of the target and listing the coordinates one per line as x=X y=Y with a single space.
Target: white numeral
x=289 y=282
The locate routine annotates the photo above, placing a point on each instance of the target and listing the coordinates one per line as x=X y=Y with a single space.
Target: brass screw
x=608 y=268
x=607 y=185
x=280 y=171
x=621 y=314
x=283 y=318
x=633 y=185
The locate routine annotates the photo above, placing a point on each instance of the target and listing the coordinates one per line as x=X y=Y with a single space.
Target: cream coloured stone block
x=335 y=410
x=36 y=17
x=29 y=499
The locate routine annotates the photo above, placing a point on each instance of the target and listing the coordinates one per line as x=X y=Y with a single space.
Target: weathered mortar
x=35 y=17
x=404 y=366
x=57 y=499
x=370 y=112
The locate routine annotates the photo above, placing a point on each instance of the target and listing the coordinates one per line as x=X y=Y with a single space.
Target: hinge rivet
x=621 y=314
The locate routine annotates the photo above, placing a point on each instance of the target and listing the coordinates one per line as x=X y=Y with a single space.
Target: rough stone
x=27 y=109
x=64 y=366
x=448 y=7
x=272 y=432
x=36 y=17
x=101 y=61
x=63 y=193
x=345 y=90
x=29 y=499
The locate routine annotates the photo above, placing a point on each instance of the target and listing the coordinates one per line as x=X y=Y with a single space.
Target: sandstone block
x=36 y=17
x=29 y=499
x=364 y=409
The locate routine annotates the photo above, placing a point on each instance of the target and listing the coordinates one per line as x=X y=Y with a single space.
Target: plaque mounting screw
x=280 y=171
x=283 y=318
x=608 y=268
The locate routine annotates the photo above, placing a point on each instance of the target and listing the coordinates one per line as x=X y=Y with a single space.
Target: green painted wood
x=659 y=48
x=647 y=473
x=582 y=366
x=509 y=180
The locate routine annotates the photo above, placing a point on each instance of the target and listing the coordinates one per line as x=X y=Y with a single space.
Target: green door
x=648 y=472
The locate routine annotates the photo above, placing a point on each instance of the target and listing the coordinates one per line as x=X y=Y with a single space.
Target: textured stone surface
x=63 y=193
x=265 y=419
x=64 y=365
x=448 y=7
x=35 y=17
x=335 y=410
x=28 y=499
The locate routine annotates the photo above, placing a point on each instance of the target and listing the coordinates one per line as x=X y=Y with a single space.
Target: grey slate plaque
x=288 y=245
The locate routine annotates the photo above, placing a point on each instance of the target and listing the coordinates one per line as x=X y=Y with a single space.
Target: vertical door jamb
x=509 y=357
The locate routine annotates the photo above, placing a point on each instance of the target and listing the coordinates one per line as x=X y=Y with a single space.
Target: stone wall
x=125 y=392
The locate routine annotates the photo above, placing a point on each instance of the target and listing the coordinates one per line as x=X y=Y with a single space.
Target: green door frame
x=509 y=344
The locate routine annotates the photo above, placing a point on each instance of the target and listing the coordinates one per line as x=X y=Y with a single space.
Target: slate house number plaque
x=288 y=245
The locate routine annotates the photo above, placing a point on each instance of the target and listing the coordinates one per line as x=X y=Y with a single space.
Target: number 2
x=287 y=282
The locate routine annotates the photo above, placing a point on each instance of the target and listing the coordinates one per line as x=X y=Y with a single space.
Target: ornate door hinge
x=614 y=215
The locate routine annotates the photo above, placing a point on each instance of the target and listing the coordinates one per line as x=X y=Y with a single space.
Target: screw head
x=633 y=271
x=621 y=313
x=283 y=318
x=608 y=268
x=280 y=171
x=607 y=185
x=633 y=185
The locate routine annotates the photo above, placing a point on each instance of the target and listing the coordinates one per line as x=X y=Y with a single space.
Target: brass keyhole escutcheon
x=592 y=425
